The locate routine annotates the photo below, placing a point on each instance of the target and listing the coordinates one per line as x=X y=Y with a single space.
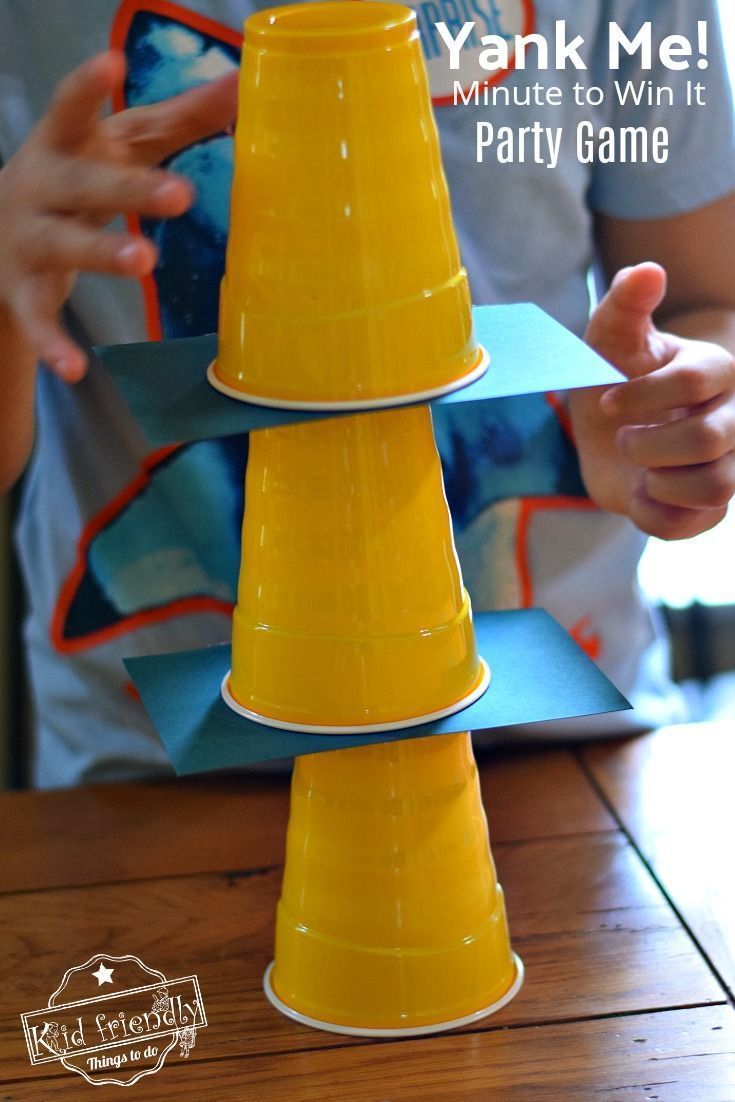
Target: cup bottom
x=356 y=404
x=475 y=693
x=404 y=1031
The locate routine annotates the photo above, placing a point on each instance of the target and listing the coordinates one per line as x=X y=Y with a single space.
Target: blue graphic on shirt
x=496 y=451
x=166 y=58
x=180 y=536
x=158 y=549
x=177 y=556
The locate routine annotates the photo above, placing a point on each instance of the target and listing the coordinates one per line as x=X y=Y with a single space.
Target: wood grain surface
x=682 y=1056
x=596 y=936
x=620 y=1003
x=104 y=833
x=674 y=793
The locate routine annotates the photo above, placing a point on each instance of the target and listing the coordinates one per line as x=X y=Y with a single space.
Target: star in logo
x=103 y=975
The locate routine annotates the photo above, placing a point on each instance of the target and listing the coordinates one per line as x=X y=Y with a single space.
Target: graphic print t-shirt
x=127 y=552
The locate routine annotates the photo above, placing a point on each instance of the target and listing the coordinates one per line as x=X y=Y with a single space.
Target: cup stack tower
x=344 y=290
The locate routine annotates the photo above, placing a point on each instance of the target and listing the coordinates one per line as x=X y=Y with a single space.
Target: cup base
x=359 y=728
x=355 y=404
x=403 y=1031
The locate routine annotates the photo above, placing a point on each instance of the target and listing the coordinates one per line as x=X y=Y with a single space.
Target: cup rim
x=324 y=25
x=354 y=404
x=401 y=1031
x=478 y=689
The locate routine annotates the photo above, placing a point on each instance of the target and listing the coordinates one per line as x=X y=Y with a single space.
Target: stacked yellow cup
x=343 y=284
x=351 y=613
x=344 y=290
x=391 y=920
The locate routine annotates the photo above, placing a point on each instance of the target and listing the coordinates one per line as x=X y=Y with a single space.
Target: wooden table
x=616 y=860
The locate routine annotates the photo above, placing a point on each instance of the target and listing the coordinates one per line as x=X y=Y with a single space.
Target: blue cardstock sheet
x=164 y=382
x=538 y=673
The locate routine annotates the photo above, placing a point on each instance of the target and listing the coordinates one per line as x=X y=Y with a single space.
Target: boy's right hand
x=74 y=174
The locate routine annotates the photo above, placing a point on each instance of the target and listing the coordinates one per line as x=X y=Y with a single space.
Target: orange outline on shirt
x=562 y=415
x=527 y=507
x=139 y=619
x=591 y=643
x=186 y=605
x=118 y=38
x=529 y=26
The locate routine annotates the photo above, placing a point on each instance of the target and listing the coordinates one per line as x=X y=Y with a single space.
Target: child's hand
x=77 y=171
x=661 y=447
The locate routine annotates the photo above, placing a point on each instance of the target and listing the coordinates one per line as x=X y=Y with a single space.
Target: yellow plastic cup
x=343 y=283
x=351 y=613
x=391 y=920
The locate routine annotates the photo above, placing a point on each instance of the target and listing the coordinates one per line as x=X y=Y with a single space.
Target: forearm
x=694 y=249
x=17 y=381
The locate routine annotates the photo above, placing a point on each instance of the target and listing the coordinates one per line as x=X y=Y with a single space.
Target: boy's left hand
x=660 y=448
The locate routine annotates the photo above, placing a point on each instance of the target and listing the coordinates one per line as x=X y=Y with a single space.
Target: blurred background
x=693 y=582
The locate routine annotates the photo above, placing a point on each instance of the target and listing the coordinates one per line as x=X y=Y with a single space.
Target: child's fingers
x=90 y=187
x=621 y=325
x=669 y=522
x=155 y=132
x=704 y=437
x=682 y=383
x=75 y=107
x=67 y=244
x=702 y=486
x=36 y=310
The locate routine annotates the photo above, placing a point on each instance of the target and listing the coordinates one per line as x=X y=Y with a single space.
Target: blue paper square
x=538 y=673
x=164 y=382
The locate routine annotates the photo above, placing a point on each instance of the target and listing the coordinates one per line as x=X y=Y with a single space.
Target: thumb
x=621 y=327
